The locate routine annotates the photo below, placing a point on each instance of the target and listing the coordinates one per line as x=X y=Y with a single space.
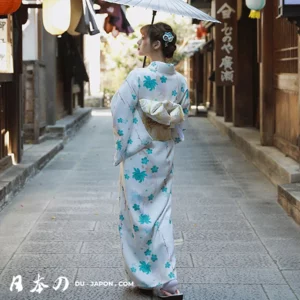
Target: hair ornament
x=168 y=37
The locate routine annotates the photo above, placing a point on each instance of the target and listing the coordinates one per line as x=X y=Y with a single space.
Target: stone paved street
x=233 y=240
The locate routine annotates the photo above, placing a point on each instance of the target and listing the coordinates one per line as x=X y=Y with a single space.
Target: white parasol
x=177 y=7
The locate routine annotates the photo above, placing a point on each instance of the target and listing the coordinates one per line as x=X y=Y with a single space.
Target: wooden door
x=3 y=120
x=285 y=85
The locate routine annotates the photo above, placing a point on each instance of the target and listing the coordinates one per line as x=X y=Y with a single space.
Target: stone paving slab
x=71 y=235
x=4 y=259
x=9 y=246
x=266 y=231
x=100 y=247
x=18 y=227
x=72 y=217
x=201 y=202
x=208 y=235
x=86 y=197
x=207 y=210
x=226 y=217
x=231 y=276
x=287 y=260
x=279 y=292
x=85 y=208
x=215 y=193
x=50 y=247
x=79 y=293
x=213 y=247
x=65 y=260
x=54 y=225
x=235 y=260
x=223 y=291
x=195 y=226
x=292 y=278
x=268 y=208
x=82 y=260
x=282 y=245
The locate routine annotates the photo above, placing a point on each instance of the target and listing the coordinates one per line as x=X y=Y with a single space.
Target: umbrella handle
x=153 y=18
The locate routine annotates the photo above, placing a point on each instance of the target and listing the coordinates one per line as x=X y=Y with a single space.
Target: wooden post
x=227 y=92
x=81 y=83
x=211 y=84
x=225 y=50
x=219 y=101
x=49 y=43
x=267 y=107
x=205 y=77
x=200 y=77
x=244 y=88
x=14 y=105
x=36 y=111
x=195 y=81
x=298 y=141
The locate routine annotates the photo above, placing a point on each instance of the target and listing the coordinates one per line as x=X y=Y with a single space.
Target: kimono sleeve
x=184 y=101
x=123 y=107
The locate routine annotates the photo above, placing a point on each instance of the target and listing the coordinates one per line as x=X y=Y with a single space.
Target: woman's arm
x=184 y=101
x=123 y=106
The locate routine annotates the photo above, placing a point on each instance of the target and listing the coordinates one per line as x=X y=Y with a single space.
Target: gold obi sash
x=160 y=117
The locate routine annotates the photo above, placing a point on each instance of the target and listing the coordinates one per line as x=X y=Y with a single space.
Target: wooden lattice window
x=285 y=45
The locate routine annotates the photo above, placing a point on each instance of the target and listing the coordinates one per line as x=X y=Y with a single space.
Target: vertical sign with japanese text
x=226 y=42
x=6 y=45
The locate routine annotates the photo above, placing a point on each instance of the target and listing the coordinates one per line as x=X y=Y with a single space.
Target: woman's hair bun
x=156 y=32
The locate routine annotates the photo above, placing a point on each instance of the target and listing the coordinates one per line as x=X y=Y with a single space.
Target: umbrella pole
x=153 y=18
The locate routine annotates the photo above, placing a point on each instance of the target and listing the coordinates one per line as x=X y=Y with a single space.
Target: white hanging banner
x=6 y=46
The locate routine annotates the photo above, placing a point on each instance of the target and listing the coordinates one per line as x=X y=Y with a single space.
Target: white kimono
x=148 y=115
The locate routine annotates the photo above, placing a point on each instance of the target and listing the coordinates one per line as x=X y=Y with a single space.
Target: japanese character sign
x=40 y=286
x=226 y=42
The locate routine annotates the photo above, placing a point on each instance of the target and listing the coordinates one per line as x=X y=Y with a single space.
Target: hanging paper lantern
x=8 y=7
x=76 y=13
x=56 y=16
x=256 y=6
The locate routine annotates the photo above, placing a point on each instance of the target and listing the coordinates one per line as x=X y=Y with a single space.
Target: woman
x=148 y=114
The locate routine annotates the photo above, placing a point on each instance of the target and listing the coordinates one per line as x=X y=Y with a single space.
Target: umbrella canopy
x=177 y=7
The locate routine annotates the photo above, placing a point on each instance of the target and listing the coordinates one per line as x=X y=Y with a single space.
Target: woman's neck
x=157 y=57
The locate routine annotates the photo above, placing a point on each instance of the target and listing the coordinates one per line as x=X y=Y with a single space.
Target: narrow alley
x=233 y=240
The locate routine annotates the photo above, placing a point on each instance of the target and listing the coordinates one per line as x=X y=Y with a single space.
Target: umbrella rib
x=142 y=1
x=179 y=11
x=149 y=5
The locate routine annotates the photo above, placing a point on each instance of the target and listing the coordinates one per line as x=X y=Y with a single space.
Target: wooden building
x=11 y=92
x=40 y=90
x=54 y=76
x=255 y=94
x=264 y=92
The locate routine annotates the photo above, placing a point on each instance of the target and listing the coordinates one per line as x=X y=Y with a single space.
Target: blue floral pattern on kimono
x=146 y=174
